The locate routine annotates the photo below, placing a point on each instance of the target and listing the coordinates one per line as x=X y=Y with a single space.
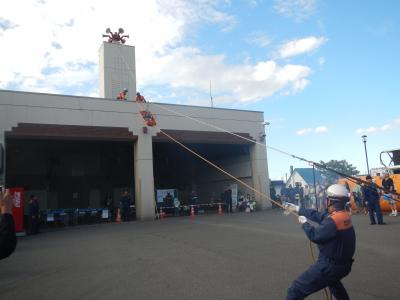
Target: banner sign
x=161 y=194
x=18 y=208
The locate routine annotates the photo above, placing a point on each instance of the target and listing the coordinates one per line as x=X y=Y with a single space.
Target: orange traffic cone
x=219 y=209
x=192 y=212
x=161 y=213
x=118 y=219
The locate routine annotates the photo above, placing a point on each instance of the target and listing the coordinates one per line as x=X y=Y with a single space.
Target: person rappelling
x=146 y=114
x=123 y=95
x=148 y=118
x=336 y=240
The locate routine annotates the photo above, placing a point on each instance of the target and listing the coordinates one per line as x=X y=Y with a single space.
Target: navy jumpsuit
x=336 y=241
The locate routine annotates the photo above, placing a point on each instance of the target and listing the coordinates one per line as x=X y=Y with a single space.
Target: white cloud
x=318 y=129
x=299 y=10
x=321 y=61
x=190 y=68
x=55 y=47
x=259 y=39
x=300 y=46
x=303 y=131
x=321 y=129
x=395 y=124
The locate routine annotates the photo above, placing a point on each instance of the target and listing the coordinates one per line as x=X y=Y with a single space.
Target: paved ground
x=239 y=256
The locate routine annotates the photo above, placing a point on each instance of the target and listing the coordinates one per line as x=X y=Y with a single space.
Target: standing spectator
x=388 y=189
x=358 y=200
x=33 y=214
x=284 y=194
x=228 y=199
x=8 y=239
x=348 y=204
x=306 y=191
x=290 y=194
x=272 y=194
x=298 y=194
x=110 y=206
x=371 y=200
x=168 y=200
x=194 y=201
x=177 y=203
x=124 y=204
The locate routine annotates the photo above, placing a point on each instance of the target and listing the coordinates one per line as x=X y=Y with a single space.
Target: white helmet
x=338 y=192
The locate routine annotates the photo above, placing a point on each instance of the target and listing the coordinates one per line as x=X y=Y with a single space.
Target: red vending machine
x=18 y=208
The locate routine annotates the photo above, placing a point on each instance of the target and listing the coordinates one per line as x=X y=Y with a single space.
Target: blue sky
x=323 y=72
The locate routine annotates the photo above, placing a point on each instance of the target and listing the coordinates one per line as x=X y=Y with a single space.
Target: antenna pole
x=211 y=98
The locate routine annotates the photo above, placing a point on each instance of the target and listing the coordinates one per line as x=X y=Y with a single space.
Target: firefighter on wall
x=140 y=98
x=123 y=94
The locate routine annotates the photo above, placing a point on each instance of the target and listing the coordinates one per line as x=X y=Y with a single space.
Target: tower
x=117 y=70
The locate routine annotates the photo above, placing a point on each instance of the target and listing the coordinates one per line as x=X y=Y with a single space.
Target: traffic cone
x=161 y=213
x=219 y=209
x=192 y=212
x=118 y=219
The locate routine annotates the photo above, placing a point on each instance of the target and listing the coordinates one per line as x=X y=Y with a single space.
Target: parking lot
x=238 y=256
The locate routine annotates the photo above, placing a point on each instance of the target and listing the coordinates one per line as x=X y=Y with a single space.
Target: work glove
x=302 y=219
x=289 y=208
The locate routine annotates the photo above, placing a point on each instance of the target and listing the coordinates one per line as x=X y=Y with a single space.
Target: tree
x=341 y=166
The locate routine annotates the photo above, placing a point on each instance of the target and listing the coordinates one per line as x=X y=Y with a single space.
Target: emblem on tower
x=116 y=37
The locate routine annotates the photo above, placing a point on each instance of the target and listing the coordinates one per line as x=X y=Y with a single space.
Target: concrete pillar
x=117 y=70
x=144 y=178
x=2 y=159
x=258 y=157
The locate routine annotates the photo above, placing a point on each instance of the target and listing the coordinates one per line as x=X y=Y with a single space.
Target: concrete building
x=75 y=151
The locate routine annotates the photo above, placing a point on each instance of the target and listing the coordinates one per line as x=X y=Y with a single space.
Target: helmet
x=338 y=193
x=125 y=90
x=138 y=94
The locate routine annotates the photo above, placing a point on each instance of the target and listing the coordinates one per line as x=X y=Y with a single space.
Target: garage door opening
x=67 y=174
x=176 y=168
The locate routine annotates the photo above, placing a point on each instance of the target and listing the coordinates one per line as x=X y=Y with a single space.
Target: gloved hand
x=302 y=219
x=289 y=208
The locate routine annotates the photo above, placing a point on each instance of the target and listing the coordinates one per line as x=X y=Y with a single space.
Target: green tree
x=341 y=166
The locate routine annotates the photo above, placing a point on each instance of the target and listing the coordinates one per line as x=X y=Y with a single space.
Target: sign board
x=1 y=158
x=18 y=208
x=234 y=188
x=50 y=218
x=162 y=193
x=104 y=213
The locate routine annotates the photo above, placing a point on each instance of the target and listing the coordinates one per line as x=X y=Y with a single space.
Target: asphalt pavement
x=237 y=256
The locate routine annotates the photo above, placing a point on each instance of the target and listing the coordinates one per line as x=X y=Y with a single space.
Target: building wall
x=295 y=177
x=23 y=107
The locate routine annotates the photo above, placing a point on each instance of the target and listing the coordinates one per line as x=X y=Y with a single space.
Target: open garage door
x=176 y=168
x=70 y=166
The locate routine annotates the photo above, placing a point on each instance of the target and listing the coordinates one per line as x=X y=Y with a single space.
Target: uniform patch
x=342 y=220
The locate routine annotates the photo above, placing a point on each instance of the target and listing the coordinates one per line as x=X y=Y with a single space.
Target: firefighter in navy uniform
x=336 y=241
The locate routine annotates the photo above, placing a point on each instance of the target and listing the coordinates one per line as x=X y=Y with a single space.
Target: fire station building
x=76 y=151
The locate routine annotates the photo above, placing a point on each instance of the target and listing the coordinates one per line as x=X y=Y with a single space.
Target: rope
x=318 y=165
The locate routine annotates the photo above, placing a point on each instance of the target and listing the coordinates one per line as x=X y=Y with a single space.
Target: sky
x=323 y=72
